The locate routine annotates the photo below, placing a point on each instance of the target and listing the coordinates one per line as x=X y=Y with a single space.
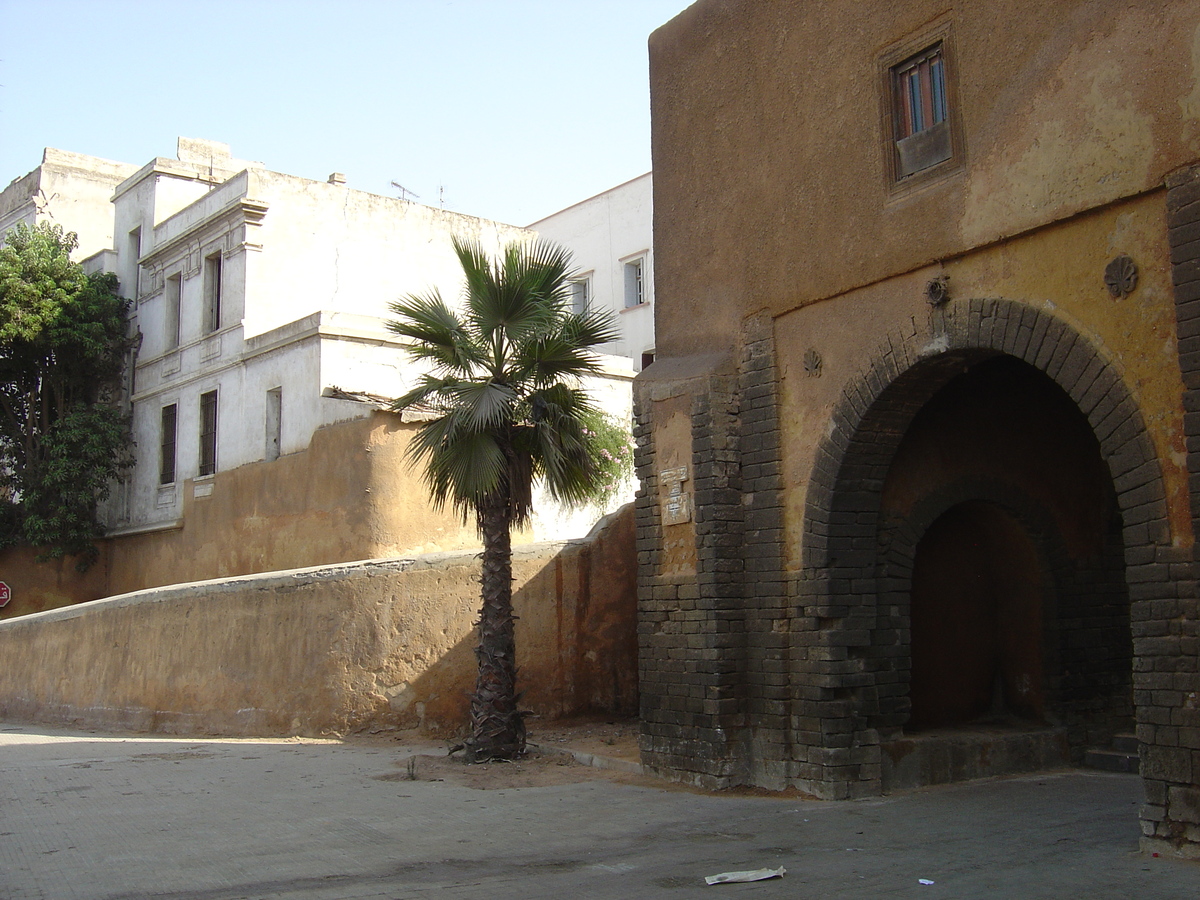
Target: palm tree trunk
x=497 y=731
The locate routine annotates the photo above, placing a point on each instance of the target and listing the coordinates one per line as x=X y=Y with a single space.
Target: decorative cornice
x=244 y=211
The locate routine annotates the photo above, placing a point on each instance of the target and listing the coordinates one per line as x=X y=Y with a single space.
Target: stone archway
x=858 y=564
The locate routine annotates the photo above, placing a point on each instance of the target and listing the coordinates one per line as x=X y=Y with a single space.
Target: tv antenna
x=405 y=193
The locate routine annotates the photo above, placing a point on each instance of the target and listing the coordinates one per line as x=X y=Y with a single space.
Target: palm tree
x=508 y=409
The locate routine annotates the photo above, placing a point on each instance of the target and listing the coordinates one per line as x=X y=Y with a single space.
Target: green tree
x=63 y=341
x=507 y=409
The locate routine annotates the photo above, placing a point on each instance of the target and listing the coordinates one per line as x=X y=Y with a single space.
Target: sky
x=505 y=109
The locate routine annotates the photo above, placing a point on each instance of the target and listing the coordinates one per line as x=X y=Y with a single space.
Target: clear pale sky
x=512 y=109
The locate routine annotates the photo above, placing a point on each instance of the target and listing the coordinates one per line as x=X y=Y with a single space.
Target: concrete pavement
x=90 y=817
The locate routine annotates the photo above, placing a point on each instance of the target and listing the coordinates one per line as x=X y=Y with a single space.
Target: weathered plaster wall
x=771 y=189
x=38 y=586
x=69 y=189
x=1058 y=269
x=333 y=649
x=351 y=495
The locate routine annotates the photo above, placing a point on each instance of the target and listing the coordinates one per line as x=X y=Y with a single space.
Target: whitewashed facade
x=261 y=300
x=610 y=237
x=68 y=189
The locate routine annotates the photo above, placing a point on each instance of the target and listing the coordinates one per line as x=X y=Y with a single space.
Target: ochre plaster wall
x=329 y=650
x=350 y=495
x=37 y=586
x=1058 y=269
x=771 y=188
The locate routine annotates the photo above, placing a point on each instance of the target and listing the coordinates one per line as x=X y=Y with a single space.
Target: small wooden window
x=921 y=86
x=921 y=112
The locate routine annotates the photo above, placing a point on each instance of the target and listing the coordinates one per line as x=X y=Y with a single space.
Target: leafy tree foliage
x=508 y=409
x=63 y=340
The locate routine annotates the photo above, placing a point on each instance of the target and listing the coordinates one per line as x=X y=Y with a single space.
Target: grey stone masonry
x=1167 y=628
x=769 y=670
x=691 y=631
x=851 y=658
x=716 y=681
x=765 y=600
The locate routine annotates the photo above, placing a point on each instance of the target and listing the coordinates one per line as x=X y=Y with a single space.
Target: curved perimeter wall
x=331 y=649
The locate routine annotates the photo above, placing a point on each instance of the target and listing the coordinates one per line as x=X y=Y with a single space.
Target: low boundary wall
x=331 y=649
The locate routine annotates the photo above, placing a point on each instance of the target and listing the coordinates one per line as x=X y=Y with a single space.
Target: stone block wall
x=1166 y=627
x=760 y=669
x=691 y=629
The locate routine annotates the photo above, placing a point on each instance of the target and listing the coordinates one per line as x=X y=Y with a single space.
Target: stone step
x=1126 y=743
x=1111 y=761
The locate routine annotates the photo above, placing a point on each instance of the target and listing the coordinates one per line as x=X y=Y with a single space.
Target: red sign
x=5 y=595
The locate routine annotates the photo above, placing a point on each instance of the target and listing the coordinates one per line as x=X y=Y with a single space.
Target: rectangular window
x=274 y=422
x=635 y=282
x=174 y=298
x=208 y=433
x=166 y=456
x=212 y=293
x=581 y=295
x=135 y=251
x=920 y=111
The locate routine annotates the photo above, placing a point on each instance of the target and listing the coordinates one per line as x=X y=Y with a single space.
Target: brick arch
x=843 y=577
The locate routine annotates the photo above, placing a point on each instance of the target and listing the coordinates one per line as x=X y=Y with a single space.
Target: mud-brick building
x=920 y=451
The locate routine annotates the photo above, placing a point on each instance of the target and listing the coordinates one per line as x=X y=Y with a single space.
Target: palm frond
x=465 y=471
x=506 y=385
x=439 y=333
x=429 y=392
x=566 y=350
x=489 y=403
x=512 y=296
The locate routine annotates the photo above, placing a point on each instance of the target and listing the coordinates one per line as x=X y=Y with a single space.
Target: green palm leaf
x=508 y=409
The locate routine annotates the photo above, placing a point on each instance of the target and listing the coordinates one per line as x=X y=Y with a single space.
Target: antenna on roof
x=405 y=193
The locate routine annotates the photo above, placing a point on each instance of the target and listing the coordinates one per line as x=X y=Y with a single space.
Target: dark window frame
x=274 y=423
x=208 y=433
x=168 y=443
x=213 y=288
x=173 y=310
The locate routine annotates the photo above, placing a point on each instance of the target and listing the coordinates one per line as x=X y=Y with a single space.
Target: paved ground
x=99 y=818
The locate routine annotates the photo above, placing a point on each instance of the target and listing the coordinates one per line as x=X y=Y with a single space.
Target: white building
x=259 y=295
x=261 y=301
x=610 y=237
x=69 y=189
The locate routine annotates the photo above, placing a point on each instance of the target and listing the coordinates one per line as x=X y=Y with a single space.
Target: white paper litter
x=752 y=875
x=924 y=881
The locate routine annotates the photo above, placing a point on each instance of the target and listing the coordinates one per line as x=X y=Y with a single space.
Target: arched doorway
x=998 y=403
x=1018 y=608
x=977 y=621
